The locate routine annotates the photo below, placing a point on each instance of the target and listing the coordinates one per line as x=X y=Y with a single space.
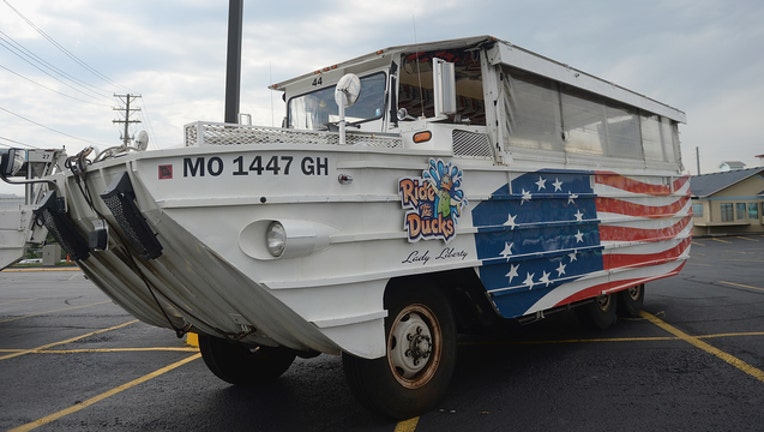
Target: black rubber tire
x=630 y=301
x=242 y=364
x=601 y=313
x=394 y=391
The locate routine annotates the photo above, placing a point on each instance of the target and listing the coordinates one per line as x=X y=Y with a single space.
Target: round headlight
x=275 y=237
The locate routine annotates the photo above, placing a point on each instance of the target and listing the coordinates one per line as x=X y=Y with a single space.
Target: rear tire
x=599 y=314
x=414 y=374
x=630 y=301
x=243 y=364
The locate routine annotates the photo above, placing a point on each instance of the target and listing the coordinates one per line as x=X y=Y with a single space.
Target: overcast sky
x=701 y=56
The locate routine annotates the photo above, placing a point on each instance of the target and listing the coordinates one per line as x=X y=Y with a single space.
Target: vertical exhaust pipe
x=233 y=61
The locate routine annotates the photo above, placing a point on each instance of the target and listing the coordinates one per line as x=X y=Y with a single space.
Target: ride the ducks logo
x=433 y=202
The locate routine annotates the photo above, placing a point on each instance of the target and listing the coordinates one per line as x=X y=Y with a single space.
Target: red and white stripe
x=645 y=232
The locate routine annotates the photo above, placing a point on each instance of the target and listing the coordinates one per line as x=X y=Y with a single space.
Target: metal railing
x=207 y=133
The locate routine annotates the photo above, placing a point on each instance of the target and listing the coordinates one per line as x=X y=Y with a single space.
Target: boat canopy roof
x=503 y=52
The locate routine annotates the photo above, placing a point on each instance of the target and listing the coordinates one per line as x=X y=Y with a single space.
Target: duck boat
x=412 y=194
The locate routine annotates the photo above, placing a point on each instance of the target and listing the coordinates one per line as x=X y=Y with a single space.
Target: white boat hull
x=209 y=207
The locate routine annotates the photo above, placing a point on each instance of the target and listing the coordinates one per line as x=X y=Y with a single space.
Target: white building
x=731 y=165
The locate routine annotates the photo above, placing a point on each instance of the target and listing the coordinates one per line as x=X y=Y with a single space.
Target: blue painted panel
x=536 y=235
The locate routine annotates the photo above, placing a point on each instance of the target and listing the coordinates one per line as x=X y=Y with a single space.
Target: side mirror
x=141 y=140
x=346 y=94
x=347 y=90
x=444 y=87
x=12 y=162
x=403 y=114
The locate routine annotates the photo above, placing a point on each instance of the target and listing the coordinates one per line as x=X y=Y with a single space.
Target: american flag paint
x=549 y=238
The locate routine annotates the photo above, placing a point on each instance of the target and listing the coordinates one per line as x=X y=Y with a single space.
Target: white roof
x=506 y=53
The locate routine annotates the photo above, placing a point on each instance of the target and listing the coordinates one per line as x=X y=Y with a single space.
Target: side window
x=623 y=134
x=583 y=117
x=415 y=91
x=541 y=113
x=596 y=126
x=651 y=137
x=670 y=140
x=532 y=108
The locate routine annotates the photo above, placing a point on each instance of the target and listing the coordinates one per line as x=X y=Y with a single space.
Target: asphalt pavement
x=71 y=360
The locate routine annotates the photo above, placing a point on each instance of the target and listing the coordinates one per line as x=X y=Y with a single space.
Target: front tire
x=414 y=374
x=242 y=364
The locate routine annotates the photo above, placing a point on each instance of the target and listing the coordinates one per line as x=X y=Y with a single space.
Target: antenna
x=270 y=79
x=418 y=71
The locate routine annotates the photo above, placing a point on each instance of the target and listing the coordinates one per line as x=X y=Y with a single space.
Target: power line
x=64 y=78
x=62 y=48
x=16 y=142
x=22 y=52
x=48 y=128
x=50 y=89
x=15 y=51
x=146 y=117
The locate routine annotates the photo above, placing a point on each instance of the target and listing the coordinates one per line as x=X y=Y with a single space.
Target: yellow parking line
x=411 y=424
x=9 y=302
x=746 y=238
x=42 y=347
x=407 y=425
x=117 y=350
x=741 y=285
x=696 y=243
x=599 y=340
x=53 y=311
x=101 y=350
x=39 y=269
x=569 y=341
x=725 y=335
x=116 y=390
x=720 y=240
x=696 y=342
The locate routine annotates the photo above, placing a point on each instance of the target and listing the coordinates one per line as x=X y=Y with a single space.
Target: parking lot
x=70 y=359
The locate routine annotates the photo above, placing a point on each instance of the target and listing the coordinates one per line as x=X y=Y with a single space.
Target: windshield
x=317 y=110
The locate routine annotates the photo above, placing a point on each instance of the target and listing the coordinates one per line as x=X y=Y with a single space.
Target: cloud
x=701 y=56
x=725 y=137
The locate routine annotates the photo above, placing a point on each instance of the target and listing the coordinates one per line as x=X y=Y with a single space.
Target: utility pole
x=126 y=99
